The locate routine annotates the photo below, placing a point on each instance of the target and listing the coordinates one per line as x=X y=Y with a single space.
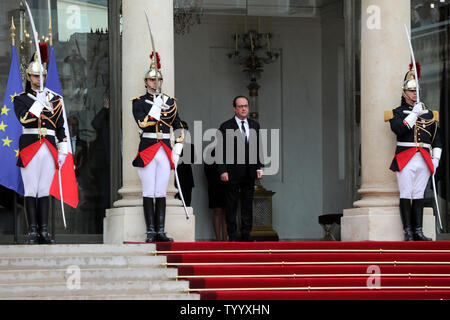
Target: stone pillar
x=385 y=58
x=125 y=222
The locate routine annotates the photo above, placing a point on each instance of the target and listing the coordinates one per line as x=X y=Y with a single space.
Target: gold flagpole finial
x=13 y=32
x=50 y=36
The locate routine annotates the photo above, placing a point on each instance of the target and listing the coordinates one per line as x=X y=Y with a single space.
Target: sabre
x=36 y=42
x=437 y=205
x=418 y=101
x=181 y=193
x=61 y=194
x=154 y=53
x=414 y=63
x=38 y=52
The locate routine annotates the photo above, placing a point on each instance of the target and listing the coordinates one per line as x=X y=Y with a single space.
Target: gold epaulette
x=16 y=95
x=137 y=97
x=436 y=116
x=388 y=115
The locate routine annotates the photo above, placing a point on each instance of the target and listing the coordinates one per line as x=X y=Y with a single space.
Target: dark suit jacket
x=246 y=157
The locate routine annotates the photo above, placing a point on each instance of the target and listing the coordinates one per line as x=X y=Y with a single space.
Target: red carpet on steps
x=313 y=270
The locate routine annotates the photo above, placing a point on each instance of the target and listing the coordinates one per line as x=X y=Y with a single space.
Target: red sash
x=28 y=153
x=404 y=157
x=148 y=154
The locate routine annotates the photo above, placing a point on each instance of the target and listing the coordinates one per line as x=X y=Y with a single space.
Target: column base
x=128 y=224
x=380 y=224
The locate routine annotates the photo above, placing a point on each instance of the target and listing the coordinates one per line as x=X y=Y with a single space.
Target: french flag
x=68 y=179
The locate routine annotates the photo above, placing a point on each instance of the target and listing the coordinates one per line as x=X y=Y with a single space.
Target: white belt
x=42 y=131
x=153 y=135
x=414 y=144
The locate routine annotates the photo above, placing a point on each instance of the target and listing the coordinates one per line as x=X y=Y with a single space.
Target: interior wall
x=290 y=100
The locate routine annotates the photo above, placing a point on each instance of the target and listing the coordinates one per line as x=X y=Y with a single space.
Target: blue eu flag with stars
x=11 y=130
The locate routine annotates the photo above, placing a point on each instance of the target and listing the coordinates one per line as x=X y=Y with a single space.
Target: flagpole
x=50 y=35
x=15 y=217
x=53 y=219
x=13 y=32
x=13 y=43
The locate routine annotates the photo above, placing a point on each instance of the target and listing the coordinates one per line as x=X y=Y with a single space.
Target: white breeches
x=155 y=176
x=413 y=179
x=38 y=175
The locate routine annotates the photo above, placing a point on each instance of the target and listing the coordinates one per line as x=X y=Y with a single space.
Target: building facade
x=334 y=67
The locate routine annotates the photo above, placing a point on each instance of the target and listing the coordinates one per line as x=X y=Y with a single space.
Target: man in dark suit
x=240 y=167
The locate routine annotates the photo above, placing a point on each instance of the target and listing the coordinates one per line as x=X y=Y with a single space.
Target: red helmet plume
x=43 y=49
x=418 y=68
x=158 y=60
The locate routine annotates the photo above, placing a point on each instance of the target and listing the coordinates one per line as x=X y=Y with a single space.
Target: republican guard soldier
x=42 y=146
x=417 y=154
x=155 y=114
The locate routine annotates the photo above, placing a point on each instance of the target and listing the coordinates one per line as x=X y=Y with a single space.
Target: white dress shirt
x=247 y=128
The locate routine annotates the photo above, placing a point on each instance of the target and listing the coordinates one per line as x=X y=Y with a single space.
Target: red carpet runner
x=312 y=270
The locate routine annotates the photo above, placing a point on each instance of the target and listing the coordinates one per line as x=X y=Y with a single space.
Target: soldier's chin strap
x=406 y=97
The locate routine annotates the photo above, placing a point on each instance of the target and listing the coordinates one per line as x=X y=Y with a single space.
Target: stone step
x=105 y=271
x=86 y=274
x=105 y=288
x=153 y=296
x=13 y=263
x=75 y=249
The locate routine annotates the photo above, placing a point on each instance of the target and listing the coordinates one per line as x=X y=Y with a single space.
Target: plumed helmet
x=156 y=62
x=35 y=67
x=410 y=82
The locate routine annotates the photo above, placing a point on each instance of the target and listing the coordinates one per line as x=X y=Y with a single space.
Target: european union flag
x=11 y=130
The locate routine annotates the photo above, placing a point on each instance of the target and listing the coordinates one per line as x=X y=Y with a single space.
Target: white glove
x=61 y=158
x=418 y=109
x=155 y=111
x=435 y=164
x=176 y=153
x=63 y=147
x=40 y=103
x=36 y=108
x=158 y=101
x=175 y=159
x=43 y=98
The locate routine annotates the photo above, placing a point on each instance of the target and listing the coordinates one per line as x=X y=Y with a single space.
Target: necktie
x=243 y=130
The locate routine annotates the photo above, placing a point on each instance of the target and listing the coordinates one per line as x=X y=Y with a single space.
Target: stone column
x=385 y=58
x=125 y=222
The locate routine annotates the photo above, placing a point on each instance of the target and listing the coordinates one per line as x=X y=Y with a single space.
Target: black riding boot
x=30 y=206
x=417 y=214
x=406 y=215
x=43 y=209
x=160 y=208
x=149 y=214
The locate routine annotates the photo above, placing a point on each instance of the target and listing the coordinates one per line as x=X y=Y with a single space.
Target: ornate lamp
x=252 y=50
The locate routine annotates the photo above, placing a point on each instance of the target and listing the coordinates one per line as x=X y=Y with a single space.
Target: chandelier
x=252 y=49
x=186 y=13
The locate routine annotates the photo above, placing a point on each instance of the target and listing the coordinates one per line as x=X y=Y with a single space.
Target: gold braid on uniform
x=144 y=124
x=24 y=119
x=57 y=110
x=172 y=117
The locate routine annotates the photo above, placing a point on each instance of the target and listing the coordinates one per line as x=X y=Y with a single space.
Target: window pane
x=80 y=41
